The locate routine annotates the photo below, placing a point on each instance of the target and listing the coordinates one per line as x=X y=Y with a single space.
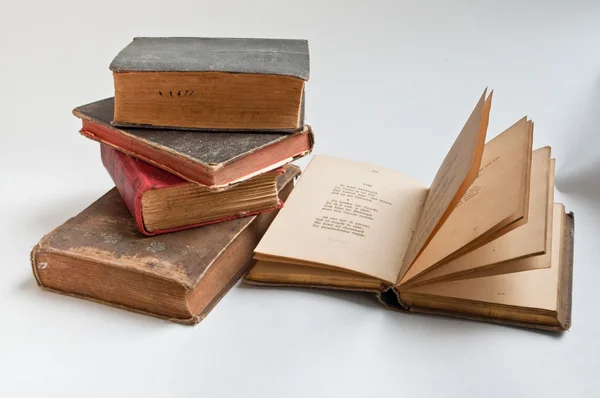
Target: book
x=211 y=83
x=485 y=240
x=213 y=159
x=99 y=255
x=161 y=202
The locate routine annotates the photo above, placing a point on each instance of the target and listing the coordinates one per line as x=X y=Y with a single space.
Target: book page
x=527 y=240
x=346 y=214
x=455 y=175
x=532 y=289
x=498 y=197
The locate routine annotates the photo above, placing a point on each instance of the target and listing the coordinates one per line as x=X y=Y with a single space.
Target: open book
x=485 y=241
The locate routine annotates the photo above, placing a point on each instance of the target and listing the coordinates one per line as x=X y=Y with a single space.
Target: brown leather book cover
x=99 y=255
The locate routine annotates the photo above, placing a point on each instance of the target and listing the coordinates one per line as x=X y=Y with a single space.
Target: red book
x=213 y=159
x=161 y=202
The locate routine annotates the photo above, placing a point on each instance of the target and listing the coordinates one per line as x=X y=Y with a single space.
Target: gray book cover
x=285 y=57
x=207 y=148
x=213 y=159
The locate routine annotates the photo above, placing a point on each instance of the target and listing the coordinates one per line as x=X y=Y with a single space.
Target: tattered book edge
x=142 y=228
x=298 y=128
x=215 y=188
x=184 y=321
x=40 y=248
x=209 y=167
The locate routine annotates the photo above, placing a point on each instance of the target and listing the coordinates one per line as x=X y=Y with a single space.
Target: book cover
x=134 y=177
x=213 y=159
x=286 y=57
x=99 y=255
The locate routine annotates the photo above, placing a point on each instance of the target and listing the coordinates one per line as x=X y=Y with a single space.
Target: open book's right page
x=530 y=289
x=498 y=198
x=455 y=175
x=531 y=239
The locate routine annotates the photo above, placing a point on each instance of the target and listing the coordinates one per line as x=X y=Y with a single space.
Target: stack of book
x=197 y=139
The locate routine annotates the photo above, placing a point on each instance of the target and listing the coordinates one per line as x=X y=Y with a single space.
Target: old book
x=162 y=202
x=213 y=159
x=484 y=241
x=99 y=255
x=211 y=83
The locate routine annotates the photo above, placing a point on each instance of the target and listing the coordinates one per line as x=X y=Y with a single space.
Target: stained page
x=348 y=215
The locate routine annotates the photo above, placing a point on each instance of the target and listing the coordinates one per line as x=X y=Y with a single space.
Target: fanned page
x=455 y=175
x=347 y=215
x=538 y=288
x=530 y=239
x=498 y=197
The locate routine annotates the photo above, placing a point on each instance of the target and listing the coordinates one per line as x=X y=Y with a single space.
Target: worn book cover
x=99 y=255
x=211 y=83
x=162 y=202
x=485 y=240
x=213 y=159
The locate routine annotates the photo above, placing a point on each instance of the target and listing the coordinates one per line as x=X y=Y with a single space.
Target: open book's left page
x=348 y=215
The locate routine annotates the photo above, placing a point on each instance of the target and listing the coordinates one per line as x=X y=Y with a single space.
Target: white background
x=392 y=83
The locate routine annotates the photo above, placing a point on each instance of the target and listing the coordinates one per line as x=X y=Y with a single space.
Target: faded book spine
x=130 y=183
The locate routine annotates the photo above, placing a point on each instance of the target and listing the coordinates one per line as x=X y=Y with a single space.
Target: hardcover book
x=99 y=255
x=213 y=159
x=485 y=240
x=211 y=83
x=162 y=202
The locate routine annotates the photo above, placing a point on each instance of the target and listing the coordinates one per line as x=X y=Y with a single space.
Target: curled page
x=455 y=175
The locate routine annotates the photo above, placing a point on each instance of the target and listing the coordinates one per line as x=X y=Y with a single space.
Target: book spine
x=161 y=158
x=130 y=183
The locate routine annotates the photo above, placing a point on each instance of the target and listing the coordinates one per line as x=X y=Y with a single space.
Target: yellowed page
x=455 y=175
x=349 y=215
x=527 y=240
x=531 y=289
x=498 y=197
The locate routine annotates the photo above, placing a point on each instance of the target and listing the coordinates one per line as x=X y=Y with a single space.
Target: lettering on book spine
x=176 y=93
